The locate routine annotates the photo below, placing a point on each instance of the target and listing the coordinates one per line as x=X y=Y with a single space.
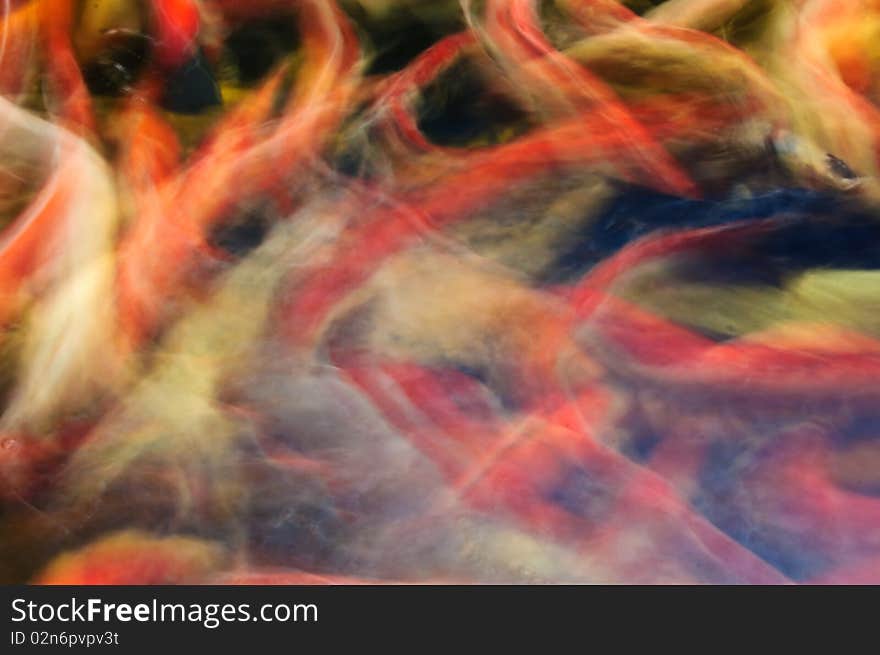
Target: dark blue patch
x=582 y=495
x=191 y=88
x=640 y=447
x=820 y=230
x=720 y=501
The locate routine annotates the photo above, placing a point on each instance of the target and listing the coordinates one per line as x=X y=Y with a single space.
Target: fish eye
x=119 y=65
x=839 y=168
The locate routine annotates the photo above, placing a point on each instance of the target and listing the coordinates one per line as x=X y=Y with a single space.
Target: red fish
x=69 y=91
x=176 y=29
x=525 y=471
x=247 y=157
